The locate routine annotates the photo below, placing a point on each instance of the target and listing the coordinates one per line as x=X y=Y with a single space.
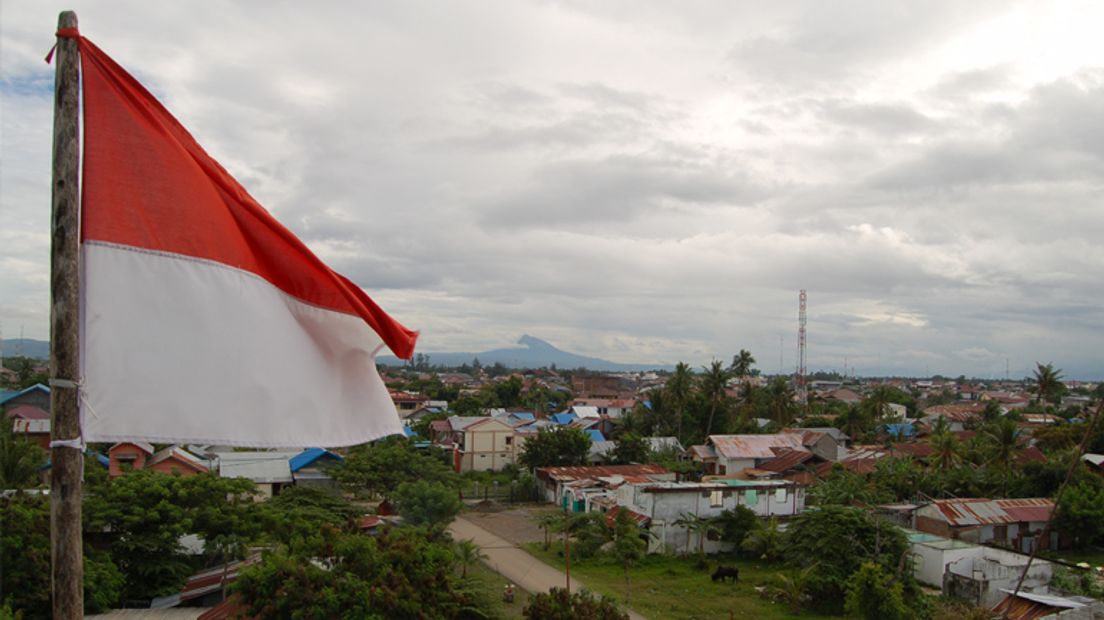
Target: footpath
x=514 y=563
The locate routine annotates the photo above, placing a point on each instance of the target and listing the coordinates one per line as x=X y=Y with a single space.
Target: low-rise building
x=1010 y=523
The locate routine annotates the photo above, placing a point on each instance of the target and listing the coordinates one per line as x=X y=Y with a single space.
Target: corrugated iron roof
x=754 y=446
x=600 y=471
x=787 y=460
x=983 y=511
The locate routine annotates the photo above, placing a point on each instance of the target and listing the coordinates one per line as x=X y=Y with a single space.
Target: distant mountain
x=534 y=353
x=25 y=347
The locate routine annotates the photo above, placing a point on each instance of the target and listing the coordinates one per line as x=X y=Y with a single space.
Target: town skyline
x=636 y=182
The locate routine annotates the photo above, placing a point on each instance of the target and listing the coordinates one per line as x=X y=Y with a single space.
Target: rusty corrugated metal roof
x=754 y=446
x=982 y=511
x=600 y=471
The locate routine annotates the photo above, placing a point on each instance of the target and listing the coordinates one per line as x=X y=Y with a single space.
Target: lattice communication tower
x=802 y=392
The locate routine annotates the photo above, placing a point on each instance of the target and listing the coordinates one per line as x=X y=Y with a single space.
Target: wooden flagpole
x=66 y=553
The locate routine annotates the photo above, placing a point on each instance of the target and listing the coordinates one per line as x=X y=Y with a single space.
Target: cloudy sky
x=640 y=181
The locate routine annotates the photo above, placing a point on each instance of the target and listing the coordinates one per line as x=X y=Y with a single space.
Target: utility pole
x=67 y=575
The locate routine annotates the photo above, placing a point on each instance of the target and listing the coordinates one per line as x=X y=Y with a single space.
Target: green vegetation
x=20 y=459
x=556 y=447
x=672 y=588
x=557 y=604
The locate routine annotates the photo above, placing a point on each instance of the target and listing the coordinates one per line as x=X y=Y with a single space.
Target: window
x=780 y=495
x=716 y=498
x=509 y=440
x=751 y=497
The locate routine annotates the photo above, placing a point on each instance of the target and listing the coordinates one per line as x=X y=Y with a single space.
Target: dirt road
x=514 y=563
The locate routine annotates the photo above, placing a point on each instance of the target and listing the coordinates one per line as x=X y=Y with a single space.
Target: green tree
x=714 y=382
x=1003 y=441
x=396 y=574
x=678 y=391
x=765 y=541
x=427 y=503
x=844 y=487
x=839 y=539
x=742 y=363
x=780 y=401
x=1048 y=383
x=557 y=604
x=549 y=521
x=20 y=459
x=736 y=524
x=556 y=447
x=874 y=594
x=629 y=545
x=377 y=470
x=146 y=520
x=946 y=450
x=25 y=561
x=467 y=553
x=1081 y=512
x=793 y=585
x=699 y=527
x=632 y=448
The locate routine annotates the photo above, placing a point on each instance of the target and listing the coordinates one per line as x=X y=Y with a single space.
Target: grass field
x=665 y=587
x=492 y=584
x=1094 y=557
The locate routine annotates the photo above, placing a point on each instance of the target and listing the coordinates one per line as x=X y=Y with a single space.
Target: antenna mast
x=802 y=392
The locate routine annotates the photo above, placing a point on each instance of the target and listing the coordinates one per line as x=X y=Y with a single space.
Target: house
x=175 y=460
x=725 y=454
x=957 y=415
x=1095 y=462
x=842 y=395
x=664 y=444
x=613 y=407
x=828 y=443
x=665 y=504
x=553 y=480
x=269 y=470
x=37 y=395
x=127 y=456
x=1009 y=523
x=970 y=571
x=31 y=422
x=481 y=443
x=311 y=467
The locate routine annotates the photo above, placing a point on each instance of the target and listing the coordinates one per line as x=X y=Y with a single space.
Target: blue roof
x=409 y=432
x=308 y=456
x=563 y=418
x=903 y=429
x=595 y=435
x=100 y=458
x=6 y=396
x=523 y=415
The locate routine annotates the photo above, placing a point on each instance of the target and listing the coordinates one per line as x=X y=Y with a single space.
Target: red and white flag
x=203 y=318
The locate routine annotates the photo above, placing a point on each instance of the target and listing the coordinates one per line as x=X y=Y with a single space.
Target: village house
x=731 y=454
x=478 y=443
x=613 y=407
x=37 y=395
x=665 y=504
x=30 y=422
x=554 y=480
x=1010 y=523
x=133 y=456
x=269 y=470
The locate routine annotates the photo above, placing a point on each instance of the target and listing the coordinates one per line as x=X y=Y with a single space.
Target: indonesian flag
x=203 y=319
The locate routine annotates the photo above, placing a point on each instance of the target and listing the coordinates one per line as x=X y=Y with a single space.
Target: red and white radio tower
x=802 y=392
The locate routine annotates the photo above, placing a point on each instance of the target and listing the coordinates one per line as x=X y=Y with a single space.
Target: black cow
x=726 y=572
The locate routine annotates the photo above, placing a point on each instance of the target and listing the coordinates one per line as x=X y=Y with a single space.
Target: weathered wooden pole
x=67 y=577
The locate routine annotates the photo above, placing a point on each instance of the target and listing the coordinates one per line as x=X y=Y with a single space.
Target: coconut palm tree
x=1003 y=440
x=946 y=450
x=741 y=364
x=678 y=390
x=703 y=527
x=467 y=552
x=713 y=385
x=793 y=585
x=1048 y=382
x=549 y=521
x=781 y=401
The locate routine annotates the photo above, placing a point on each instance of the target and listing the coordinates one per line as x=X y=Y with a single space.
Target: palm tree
x=549 y=521
x=701 y=526
x=713 y=385
x=741 y=364
x=678 y=390
x=1003 y=438
x=793 y=585
x=20 y=459
x=467 y=552
x=946 y=449
x=877 y=403
x=1048 y=382
x=765 y=541
x=781 y=401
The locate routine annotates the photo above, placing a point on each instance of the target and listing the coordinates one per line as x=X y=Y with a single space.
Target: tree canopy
x=556 y=447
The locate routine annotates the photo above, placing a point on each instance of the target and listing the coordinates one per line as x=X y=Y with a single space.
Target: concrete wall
x=930 y=562
x=980 y=579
